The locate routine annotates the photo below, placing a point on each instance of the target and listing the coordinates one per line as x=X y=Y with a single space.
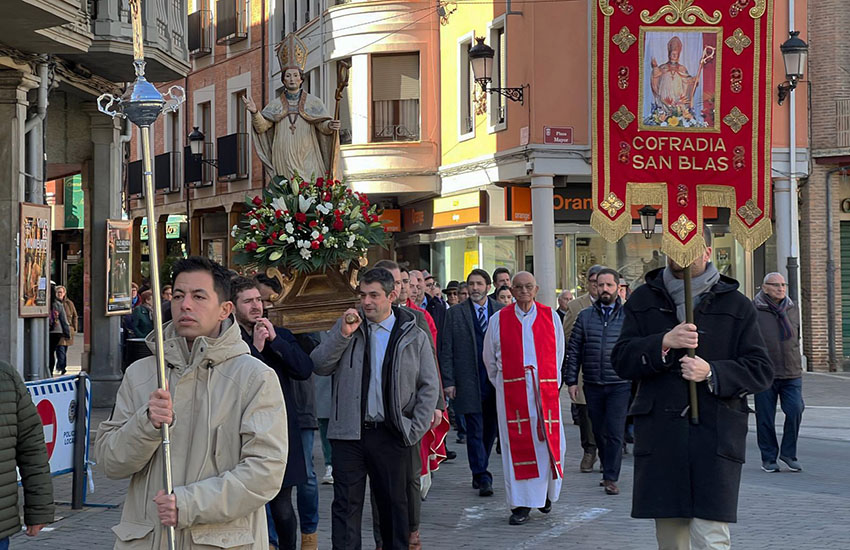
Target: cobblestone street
x=782 y=511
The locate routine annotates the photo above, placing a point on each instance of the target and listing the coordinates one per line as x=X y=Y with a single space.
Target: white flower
x=306 y=253
x=290 y=239
x=314 y=235
x=289 y=227
x=254 y=222
x=304 y=203
x=303 y=244
x=323 y=209
x=279 y=204
x=325 y=229
x=233 y=231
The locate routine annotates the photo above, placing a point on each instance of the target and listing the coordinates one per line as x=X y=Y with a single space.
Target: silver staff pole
x=142 y=104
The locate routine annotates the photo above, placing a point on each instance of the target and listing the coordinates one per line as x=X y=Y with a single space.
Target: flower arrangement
x=306 y=226
x=674 y=116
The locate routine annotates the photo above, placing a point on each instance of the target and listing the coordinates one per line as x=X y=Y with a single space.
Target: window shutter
x=395 y=77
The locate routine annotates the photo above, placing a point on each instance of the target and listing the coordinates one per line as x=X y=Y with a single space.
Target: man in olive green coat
x=22 y=445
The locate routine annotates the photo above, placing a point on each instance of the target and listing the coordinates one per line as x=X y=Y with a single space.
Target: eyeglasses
x=529 y=287
x=783 y=285
x=429 y=285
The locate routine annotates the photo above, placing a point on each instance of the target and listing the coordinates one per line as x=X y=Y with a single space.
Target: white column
x=543 y=231
x=782 y=206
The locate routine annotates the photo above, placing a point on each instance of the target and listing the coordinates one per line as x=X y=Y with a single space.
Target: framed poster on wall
x=119 y=248
x=34 y=262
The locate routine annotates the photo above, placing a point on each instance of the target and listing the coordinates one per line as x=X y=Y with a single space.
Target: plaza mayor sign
x=682 y=94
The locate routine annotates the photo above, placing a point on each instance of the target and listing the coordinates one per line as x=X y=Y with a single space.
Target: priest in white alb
x=523 y=351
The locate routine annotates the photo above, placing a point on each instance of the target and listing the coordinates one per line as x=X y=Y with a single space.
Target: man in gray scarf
x=687 y=475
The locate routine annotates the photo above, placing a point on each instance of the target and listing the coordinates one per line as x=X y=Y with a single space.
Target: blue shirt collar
x=386 y=324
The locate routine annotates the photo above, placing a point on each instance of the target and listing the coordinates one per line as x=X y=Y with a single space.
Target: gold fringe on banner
x=611 y=230
x=682 y=254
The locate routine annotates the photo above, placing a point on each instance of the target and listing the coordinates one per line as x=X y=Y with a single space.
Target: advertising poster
x=34 y=263
x=119 y=239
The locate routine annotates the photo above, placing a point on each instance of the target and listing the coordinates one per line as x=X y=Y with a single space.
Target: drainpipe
x=793 y=265
x=830 y=272
x=35 y=329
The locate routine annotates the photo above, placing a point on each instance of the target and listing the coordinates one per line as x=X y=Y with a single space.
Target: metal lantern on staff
x=682 y=120
x=142 y=104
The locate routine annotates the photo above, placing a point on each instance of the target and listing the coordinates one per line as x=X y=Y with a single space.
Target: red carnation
x=320 y=182
x=327 y=196
x=313 y=223
x=337 y=213
x=300 y=217
x=262 y=227
x=303 y=185
x=274 y=234
x=338 y=225
x=278 y=213
x=286 y=212
x=258 y=201
x=314 y=245
x=251 y=246
x=269 y=241
x=336 y=182
x=321 y=238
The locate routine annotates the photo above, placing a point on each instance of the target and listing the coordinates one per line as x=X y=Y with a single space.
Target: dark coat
x=437 y=309
x=21 y=445
x=459 y=355
x=591 y=344
x=684 y=470
x=786 y=358
x=290 y=363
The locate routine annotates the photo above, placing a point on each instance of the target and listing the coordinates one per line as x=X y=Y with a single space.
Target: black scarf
x=781 y=312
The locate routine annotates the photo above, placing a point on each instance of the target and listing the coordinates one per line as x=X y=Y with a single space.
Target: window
x=466 y=124
x=205 y=126
x=498 y=104
x=200 y=40
x=395 y=97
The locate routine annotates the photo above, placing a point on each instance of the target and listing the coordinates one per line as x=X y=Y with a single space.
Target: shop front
x=493 y=228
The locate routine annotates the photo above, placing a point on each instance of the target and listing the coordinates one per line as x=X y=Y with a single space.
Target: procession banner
x=34 y=261
x=119 y=239
x=682 y=98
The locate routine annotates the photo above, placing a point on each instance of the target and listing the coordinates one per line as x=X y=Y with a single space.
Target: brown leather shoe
x=415 y=543
x=587 y=462
x=611 y=488
x=309 y=541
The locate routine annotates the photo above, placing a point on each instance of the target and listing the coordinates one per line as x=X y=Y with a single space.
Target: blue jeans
x=323 y=435
x=308 y=492
x=272 y=531
x=790 y=394
x=4 y=544
x=607 y=405
x=481 y=432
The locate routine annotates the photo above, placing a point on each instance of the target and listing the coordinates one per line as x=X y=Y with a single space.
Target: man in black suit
x=465 y=376
x=501 y=277
x=434 y=306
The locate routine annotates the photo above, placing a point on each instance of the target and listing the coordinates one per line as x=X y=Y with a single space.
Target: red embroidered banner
x=682 y=98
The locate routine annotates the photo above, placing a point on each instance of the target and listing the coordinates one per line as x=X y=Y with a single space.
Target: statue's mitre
x=292 y=53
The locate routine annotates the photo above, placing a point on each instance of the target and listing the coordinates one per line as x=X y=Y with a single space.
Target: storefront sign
x=391 y=218
x=34 y=260
x=74 y=211
x=682 y=102
x=558 y=135
x=460 y=210
x=172 y=227
x=119 y=242
x=418 y=216
x=517 y=204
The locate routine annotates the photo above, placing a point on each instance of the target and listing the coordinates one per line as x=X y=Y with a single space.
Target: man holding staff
x=228 y=426
x=687 y=474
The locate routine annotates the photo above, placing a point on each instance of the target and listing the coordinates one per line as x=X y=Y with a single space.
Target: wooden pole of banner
x=689 y=318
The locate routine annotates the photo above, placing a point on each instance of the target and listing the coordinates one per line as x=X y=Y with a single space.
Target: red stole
x=521 y=434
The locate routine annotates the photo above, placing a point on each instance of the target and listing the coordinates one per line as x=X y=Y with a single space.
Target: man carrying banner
x=523 y=350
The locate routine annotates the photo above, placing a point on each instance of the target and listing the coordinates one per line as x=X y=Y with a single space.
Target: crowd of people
x=246 y=398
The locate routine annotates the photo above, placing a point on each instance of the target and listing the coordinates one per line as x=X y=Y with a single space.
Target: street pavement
x=805 y=510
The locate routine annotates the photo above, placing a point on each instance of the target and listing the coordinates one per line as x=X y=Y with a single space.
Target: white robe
x=527 y=492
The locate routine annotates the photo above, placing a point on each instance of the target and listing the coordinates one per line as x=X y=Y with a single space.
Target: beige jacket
x=228 y=445
x=573 y=309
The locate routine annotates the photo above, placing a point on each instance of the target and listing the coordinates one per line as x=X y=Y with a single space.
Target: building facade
x=56 y=58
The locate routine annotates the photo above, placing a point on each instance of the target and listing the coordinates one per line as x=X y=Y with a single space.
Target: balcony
x=233 y=159
x=46 y=26
x=200 y=33
x=135 y=184
x=198 y=174
x=231 y=21
x=111 y=51
x=167 y=172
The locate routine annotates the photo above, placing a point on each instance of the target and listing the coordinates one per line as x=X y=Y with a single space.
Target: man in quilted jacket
x=21 y=445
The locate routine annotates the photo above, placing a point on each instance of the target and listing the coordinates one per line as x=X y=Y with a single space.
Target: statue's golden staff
x=142 y=104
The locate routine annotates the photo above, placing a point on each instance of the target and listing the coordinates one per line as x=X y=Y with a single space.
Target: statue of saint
x=294 y=134
x=671 y=83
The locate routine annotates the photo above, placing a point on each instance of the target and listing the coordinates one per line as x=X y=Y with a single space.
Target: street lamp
x=647 y=220
x=794 y=54
x=481 y=57
x=197 y=140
